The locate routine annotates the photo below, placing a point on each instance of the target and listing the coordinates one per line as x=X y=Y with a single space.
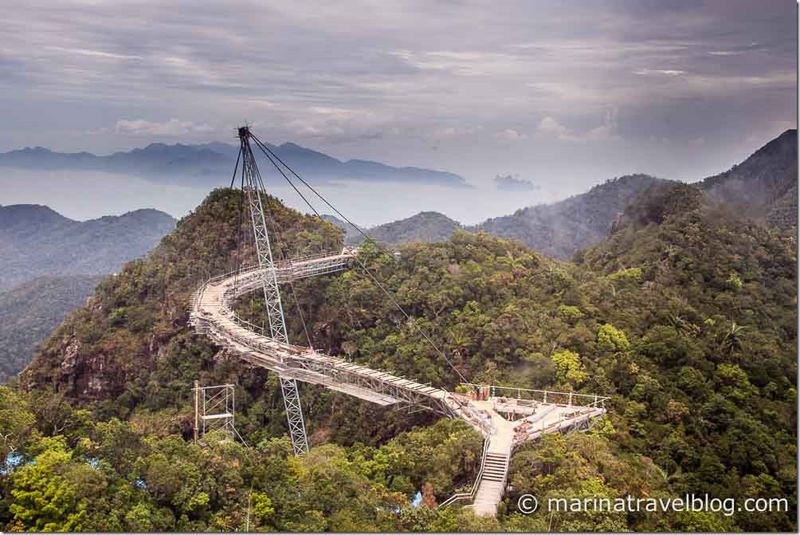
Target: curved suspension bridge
x=506 y=417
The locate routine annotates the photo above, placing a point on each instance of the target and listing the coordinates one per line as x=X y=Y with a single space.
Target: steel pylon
x=253 y=189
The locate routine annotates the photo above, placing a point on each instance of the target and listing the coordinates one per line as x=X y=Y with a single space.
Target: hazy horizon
x=561 y=95
x=83 y=195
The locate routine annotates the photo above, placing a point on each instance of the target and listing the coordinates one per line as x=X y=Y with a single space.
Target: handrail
x=346 y=252
x=541 y=431
x=589 y=400
x=471 y=494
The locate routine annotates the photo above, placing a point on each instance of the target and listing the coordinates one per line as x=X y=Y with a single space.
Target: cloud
x=659 y=72
x=509 y=134
x=513 y=183
x=91 y=53
x=406 y=83
x=549 y=127
x=170 y=128
x=725 y=52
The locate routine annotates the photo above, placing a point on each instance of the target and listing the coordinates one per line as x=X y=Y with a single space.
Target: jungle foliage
x=685 y=316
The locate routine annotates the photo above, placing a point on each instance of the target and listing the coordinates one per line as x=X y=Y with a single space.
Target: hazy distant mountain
x=561 y=228
x=422 y=227
x=211 y=162
x=31 y=311
x=764 y=186
x=557 y=230
x=50 y=264
x=36 y=241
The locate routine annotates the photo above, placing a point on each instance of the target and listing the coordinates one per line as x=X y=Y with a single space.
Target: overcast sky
x=561 y=93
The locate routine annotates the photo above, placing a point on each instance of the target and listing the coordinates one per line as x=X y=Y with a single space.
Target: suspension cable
x=236 y=167
x=264 y=148
x=269 y=154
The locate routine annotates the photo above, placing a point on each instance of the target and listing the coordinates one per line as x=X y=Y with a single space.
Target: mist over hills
x=561 y=228
x=557 y=230
x=763 y=187
x=425 y=227
x=204 y=164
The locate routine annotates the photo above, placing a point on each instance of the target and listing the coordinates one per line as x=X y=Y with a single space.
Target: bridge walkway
x=212 y=314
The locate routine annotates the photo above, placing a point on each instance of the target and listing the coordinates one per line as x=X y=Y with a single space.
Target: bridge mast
x=253 y=188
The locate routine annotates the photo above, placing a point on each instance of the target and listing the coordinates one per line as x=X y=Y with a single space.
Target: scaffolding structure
x=214 y=408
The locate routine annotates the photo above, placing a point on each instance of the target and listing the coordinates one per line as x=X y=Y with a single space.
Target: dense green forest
x=31 y=311
x=685 y=316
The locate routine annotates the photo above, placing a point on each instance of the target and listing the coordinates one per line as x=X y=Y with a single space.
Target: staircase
x=492 y=483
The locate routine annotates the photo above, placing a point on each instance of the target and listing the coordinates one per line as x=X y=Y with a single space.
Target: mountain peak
x=426 y=226
x=39 y=241
x=764 y=184
x=33 y=216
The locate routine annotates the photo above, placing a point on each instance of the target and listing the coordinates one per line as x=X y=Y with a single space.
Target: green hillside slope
x=685 y=316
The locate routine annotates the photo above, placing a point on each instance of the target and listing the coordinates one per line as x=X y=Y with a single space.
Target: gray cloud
x=573 y=92
x=513 y=184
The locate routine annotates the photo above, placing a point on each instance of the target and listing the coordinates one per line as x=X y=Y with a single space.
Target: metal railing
x=573 y=420
x=564 y=399
x=471 y=494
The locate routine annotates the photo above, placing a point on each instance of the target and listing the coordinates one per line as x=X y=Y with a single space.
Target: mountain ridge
x=763 y=187
x=204 y=163
x=37 y=241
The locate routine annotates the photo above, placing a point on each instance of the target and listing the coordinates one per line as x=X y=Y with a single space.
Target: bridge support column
x=294 y=415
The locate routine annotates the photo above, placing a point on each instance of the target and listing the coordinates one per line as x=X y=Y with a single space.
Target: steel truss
x=253 y=189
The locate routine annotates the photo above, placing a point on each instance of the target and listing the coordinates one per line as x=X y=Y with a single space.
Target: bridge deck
x=212 y=314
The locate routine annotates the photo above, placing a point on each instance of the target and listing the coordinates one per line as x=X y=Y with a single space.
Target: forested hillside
x=686 y=316
x=423 y=227
x=31 y=311
x=562 y=228
x=764 y=186
x=36 y=241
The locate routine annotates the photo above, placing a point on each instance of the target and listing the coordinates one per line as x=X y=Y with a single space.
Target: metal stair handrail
x=471 y=494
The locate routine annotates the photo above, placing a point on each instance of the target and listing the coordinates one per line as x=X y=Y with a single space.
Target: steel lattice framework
x=253 y=189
